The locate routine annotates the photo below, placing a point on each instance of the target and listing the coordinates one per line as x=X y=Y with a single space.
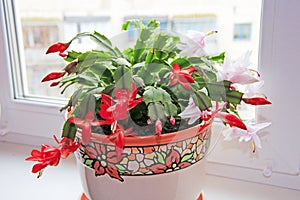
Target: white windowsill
x=17 y=182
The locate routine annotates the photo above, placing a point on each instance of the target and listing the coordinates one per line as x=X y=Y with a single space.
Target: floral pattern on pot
x=147 y=159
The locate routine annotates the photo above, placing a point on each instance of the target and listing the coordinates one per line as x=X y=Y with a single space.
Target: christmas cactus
x=163 y=83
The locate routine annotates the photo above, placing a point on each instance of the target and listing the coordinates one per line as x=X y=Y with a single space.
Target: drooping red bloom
x=228 y=118
x=67 y=146
x=48 y=155
x=257 y=101
x=58 y=47
x=53 y=76
x=158 y=127
x=200 y=196
x=232 y=120
x=117 y=136
x=104 y=161
x=117 y=109
x=172 y=163
x=172 y=120
x=183 y=77
x=86 y=125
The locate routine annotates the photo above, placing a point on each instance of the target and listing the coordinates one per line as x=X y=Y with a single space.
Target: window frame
x=27 y=120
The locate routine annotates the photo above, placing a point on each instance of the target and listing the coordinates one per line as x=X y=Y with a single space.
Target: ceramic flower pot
x=150 y=167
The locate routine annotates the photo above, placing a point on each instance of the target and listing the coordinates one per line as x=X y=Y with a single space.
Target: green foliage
x=148 y=65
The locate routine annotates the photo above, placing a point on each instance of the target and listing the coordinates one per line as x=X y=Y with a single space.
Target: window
x=203 y=22
x=29 y=113
x=242 y=31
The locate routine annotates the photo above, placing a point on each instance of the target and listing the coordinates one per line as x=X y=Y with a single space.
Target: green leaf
x=160 y=41
x=234 y=96
x=102 y=38
x=186 y=157
x=151 y=94
x=150 y=56
x=126 y=25
x=123 y=77
x=72 y=55
x=170 y=109
x=87 y=104
x=165 y=96
x=156 y=111
x=69 y=78
x=195 y=60
x=87 y=80
x=219 y=58
x=90 y=57
x=183 y=63
x=202 y=100
x=154 y=66
x=161 y=55
x=217 y=90
x=69 y=130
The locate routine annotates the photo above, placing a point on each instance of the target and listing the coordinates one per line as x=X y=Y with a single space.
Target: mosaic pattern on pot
x=147 y=160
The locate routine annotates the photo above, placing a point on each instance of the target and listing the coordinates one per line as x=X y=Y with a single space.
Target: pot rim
x=154 y=139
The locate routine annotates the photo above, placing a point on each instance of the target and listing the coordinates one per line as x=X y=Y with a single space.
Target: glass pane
x=46 y=22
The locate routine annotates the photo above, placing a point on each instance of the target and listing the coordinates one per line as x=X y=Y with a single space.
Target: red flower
x=86 y=125
x=58 y=47
x=117 y=136
x=172 y=163
x=232 y=120
x=228 y=118
x=158 y=127
x=104 y=162
x=67 y=146
x=256 y=101
x=172 y=120
x=182 y=77
x=53 y=76
x=48 y=155
x=200 y=196
x=117 y=109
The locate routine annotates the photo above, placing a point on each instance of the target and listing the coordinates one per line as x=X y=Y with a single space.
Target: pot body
x=149 y=167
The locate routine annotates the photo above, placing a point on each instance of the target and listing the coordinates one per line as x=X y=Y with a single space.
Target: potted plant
x=147 y=109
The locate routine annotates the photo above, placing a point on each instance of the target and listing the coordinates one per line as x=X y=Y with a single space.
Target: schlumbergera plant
x=163 y=83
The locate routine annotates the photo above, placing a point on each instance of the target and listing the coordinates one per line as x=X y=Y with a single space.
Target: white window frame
x=29 y=121
x=278 y=162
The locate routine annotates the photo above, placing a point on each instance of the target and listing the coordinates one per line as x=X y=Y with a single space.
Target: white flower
x=252 y=90
x=195 y=44
x=238 y=71
x=191 y=112
x=246 y=135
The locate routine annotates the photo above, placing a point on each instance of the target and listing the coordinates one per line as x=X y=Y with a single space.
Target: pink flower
x=237 y=72
x=250 y=134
